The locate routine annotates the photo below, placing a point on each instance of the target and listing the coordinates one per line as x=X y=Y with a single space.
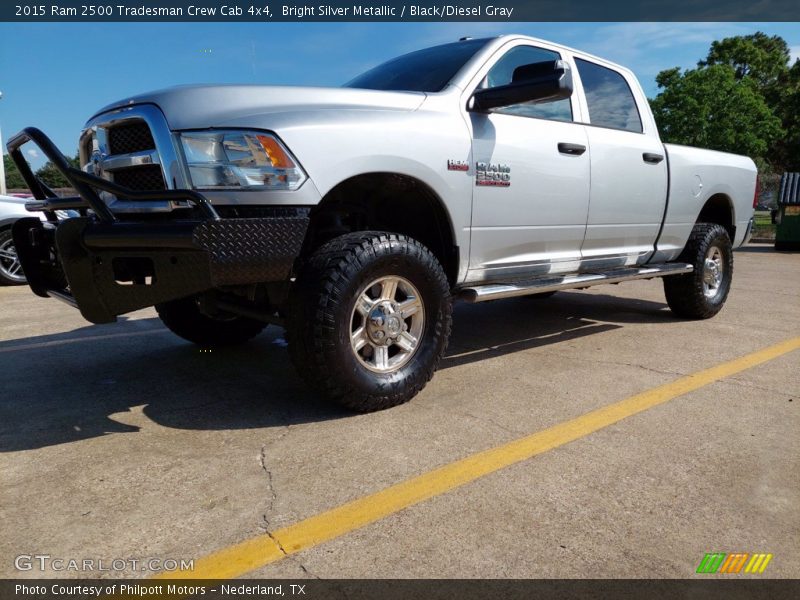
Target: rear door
x=629 y=168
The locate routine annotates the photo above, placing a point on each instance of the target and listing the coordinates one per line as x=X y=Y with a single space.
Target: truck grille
x=132 y=147
x=130 y=137
x=146 y=177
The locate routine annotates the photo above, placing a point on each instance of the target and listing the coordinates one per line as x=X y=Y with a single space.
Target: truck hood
x=198 y=106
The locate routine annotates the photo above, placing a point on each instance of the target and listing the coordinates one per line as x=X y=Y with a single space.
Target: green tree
x=712 y=107
x=758 y=56
x=49 y=174
x=787 y=150
x=13 y=178
x=764 y=60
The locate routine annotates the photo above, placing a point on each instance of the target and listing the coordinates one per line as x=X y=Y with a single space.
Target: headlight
x=240 y=160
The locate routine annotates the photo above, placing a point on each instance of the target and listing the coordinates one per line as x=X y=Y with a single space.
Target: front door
x=532 y=176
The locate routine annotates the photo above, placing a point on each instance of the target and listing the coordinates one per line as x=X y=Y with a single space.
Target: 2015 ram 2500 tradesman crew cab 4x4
x=354 y=216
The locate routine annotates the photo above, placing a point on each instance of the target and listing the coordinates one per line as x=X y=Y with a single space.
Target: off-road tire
x=184 y=318
x=322 y=301
x=685 y=295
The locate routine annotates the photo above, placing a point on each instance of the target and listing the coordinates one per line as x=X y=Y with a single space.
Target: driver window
x=503 y=70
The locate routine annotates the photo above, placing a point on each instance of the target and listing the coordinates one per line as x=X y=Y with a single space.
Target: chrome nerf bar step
x=495 y=291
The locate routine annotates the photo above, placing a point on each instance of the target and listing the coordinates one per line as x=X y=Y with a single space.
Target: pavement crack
x=627 y=364
x=297 y=562
x=277 y=542
x=304 y=569
x=486 y=419
x=741 y=382
x=481 y=418
x=272 y=496
x=272 y=493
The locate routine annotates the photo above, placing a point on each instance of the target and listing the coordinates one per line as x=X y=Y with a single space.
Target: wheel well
x=719 y=209
x=385 y=202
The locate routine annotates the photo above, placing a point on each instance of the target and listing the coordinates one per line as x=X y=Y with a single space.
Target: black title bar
x=336 y=10
x=712 y=588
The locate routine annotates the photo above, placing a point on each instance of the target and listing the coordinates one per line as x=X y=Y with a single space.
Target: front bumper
x=106 y=267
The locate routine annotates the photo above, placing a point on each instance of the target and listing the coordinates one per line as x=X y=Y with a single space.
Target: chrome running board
x=495 y=291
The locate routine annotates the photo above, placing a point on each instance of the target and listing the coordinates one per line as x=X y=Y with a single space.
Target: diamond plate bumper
x=108 y=269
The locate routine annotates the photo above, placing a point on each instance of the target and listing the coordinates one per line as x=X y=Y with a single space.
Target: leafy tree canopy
x=710 y=108
x=52 y=176
x=47 y=173
x=13 y=178
x=743 y=98
x=759 y=56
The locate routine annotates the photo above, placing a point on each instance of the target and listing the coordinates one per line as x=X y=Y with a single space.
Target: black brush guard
x=107 y=267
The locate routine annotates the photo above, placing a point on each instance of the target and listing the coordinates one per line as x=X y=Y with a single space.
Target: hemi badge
x=457 y=165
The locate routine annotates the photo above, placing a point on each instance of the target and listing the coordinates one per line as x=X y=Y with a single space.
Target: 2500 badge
x=494 y=174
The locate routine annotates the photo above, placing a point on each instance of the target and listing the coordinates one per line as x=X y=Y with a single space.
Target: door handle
x=573 y=149
x=652 y=157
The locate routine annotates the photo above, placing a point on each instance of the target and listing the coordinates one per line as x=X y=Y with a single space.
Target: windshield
x=428 y=70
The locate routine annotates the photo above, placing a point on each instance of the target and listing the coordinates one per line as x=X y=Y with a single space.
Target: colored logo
x=736 y=562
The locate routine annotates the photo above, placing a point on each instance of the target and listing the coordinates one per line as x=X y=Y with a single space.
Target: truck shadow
x=761 y=249
x=79 y=384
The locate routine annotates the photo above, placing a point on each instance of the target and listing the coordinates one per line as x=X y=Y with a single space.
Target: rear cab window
x=609 y=97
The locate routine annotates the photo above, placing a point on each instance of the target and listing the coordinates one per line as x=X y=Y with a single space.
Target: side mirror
x=537 y=82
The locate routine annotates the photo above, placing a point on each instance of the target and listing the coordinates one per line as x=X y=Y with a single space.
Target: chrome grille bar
x=135 y=159
x=96 y=157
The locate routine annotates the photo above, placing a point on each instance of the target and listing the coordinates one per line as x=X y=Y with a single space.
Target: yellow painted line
x=257 y=552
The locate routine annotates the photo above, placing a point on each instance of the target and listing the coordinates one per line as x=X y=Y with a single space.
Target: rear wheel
x=370 y=319
x=702 y=293
x=184 y=318
x=10 y=268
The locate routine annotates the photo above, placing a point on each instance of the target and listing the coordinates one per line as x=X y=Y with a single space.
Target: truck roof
x=493 y=43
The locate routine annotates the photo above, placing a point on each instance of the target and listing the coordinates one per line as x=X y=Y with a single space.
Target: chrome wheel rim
x=386 y=324
x=713 y=272
x=9 y=262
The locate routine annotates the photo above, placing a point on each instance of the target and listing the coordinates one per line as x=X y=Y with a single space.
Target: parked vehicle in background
x=787 y=214
x=12 y=208
x=481 y=169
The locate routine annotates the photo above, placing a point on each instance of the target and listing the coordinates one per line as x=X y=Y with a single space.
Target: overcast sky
x=55 y=75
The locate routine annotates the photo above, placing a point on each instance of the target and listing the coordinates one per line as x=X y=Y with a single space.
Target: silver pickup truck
x=355 y=216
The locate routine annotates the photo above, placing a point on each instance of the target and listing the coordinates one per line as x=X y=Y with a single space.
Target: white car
x=11 y=210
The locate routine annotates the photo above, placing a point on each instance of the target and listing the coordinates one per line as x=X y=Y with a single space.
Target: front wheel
x=370 y=319
x=702 y=293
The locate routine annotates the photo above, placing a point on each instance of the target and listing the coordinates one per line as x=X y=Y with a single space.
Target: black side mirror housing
x=546 y=81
